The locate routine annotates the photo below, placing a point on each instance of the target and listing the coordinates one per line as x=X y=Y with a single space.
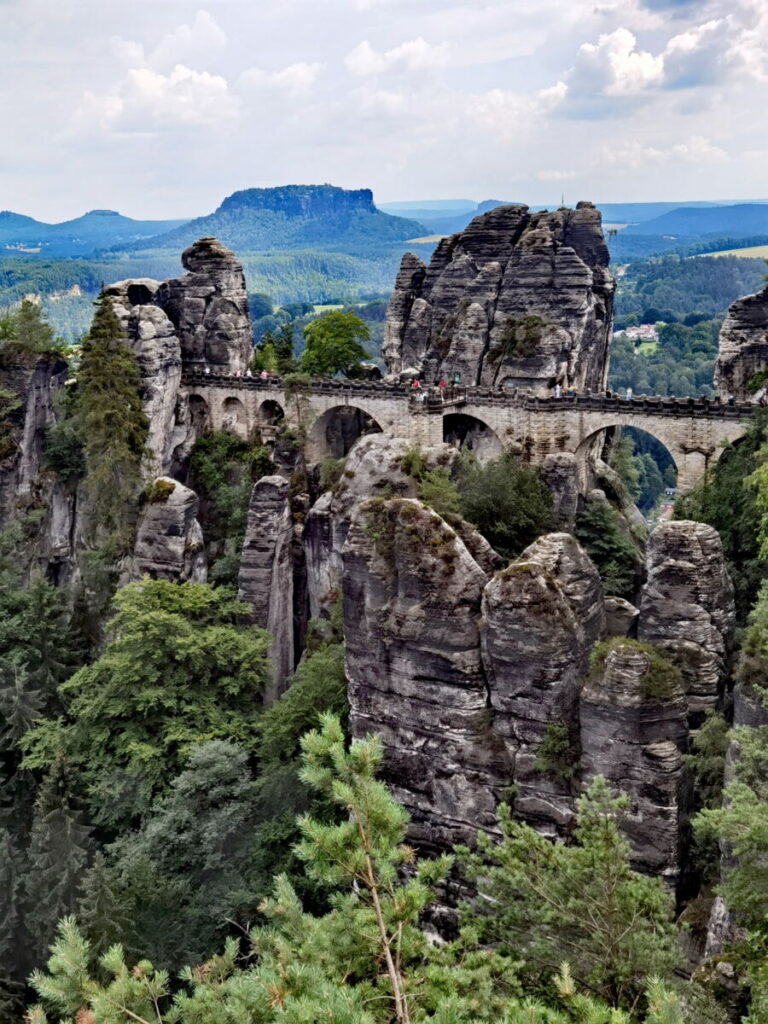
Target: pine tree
x=31 y=332
x=101 y=911
x=56 y=858
x=111 y=420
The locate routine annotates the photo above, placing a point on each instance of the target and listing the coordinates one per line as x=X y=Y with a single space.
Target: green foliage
x=550 y=903
x=111 y=421
x=331 y=471
x=519 y=339
x=274 y=351
x=623 y=462
x=614 y=555
x=438 y=492
x=757 y=381
x=177 y=671
x=661 y=679
x=682 y=363
x=507 y=502
x=64 y=451
x=333 y=343
x=558 y=753
x=158 y=492
x=27 y=333
x=223 y=469
x=726 y=503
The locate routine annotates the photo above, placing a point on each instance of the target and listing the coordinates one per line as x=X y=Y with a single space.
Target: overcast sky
x=160 y=108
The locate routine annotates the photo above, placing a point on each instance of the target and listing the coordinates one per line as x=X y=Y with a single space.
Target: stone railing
x=434 y=399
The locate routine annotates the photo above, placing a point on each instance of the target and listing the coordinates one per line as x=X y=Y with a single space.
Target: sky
x=161 y=108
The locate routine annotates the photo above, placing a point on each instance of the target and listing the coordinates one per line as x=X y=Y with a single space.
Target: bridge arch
x=234 y=418
x=199 y=415
x=336 y=429
x=271 y=413
x=464 y=430
x=658 y=481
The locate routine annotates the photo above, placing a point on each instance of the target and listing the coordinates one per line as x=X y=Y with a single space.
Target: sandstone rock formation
x=743 y=349
x=266 y=574
x=517 y=298
x=560 y=472
x=373 y=468
x=634 y=733
x=541 y=616
x=687 y=608
x=201 y=318
x=621 y=617
x=412 y=599
x=154 y=342
x=209 y=308
x=169 y=540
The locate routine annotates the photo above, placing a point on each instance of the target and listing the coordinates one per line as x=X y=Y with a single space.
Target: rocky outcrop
x=541 y=616
x=209 y=308
x=373 y=467
x=31 y=384
x=265 y=582
x=621 y=617
x=634 y=733
x=743 y=348
x=152 y=338
x=518 y=298
x=201 y=318
x=560 y=472
x=169 y=540
x=412 y=596
x=687 y=608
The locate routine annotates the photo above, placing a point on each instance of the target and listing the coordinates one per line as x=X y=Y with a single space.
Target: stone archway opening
x=233 y=417
x=468 y=432
x=336 y=430
x=643 y=462
x=271 y=413
x=199 y=415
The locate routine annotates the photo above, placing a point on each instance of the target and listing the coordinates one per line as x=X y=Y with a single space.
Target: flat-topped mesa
x=518 y=299
x=742 y=359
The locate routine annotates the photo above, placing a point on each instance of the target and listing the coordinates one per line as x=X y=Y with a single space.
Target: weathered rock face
x=687 y=608
x=169 y=541
x=560 y=472
x=372 y=468
x=33 y=383
x=518 y=298
x=620 y=617
x=541 y=616
x=209 y=308
x=743 y=349
x=266 y=574
x=199 y=318
x=412 y=596
x=634 y=733
x=153 y=340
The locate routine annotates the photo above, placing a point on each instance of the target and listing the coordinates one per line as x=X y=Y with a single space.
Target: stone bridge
x=335 y=413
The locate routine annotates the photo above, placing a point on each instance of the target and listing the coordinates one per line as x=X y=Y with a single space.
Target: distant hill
x=316 y=217
x=744 y=220
x=83 y=236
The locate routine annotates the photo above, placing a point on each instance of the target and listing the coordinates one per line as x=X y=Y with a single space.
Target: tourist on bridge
x=628 y=395
x=415 y=384
x=558 y=391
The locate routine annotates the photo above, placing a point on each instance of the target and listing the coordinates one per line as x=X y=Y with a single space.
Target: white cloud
x=189 y=41
x=294 y=80
x=696 y=57
x=635 y=155
x=614 y=66
x=412 y=55
x=146 y=101
x=556 y=175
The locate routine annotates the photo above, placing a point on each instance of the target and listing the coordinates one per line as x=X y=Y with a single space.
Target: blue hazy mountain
x=83 y=236
x=315 y=217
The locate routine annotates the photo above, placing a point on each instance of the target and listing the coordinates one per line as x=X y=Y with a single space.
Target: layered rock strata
x=743 y=348
x=634 y=733
x=200 y=318
x=265 y=582
x=412 y=595
x=518 y=298
x=541 y=617
x=687 y=608
x=376 y=465
x=169 y=540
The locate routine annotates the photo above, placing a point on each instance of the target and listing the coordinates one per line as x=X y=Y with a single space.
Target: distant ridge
x=293 y=217
x=83 y=236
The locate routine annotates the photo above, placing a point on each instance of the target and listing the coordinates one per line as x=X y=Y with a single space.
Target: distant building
x=642 y=332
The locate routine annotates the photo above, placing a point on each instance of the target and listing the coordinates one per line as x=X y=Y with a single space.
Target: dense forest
x=174 y=851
